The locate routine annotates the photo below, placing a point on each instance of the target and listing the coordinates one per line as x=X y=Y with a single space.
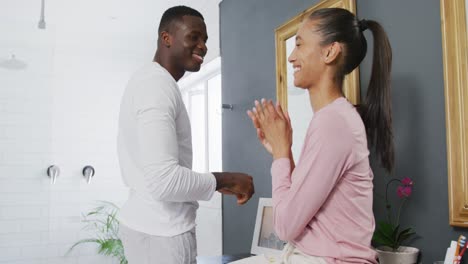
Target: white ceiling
x=98 y=24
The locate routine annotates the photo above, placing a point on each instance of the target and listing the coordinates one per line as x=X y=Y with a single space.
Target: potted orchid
x=390 y=235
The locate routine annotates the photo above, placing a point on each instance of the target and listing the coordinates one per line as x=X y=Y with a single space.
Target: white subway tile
x=25 y=158
x=65 y=182
x=96 y=260
x=32 y=118
x=65 y=223
x=20 y=198
x=34 y=252
x=8 y=254
x=87 y=249
x=58 y=197
x=29 y=132
x=117 y=195
x=20 y=212
x=62 y=260
x=29 y=261
x=69 y=236
x=64 y=210
x=66 y=251
x=10 y=226
x=25 y=106
x=20 y=239
x=9 y=172
x=41 y=224
x=18 y=185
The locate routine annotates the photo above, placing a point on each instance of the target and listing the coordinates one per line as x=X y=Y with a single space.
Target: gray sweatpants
x=141 y=248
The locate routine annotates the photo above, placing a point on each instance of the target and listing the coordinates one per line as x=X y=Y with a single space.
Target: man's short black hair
x=176 y=13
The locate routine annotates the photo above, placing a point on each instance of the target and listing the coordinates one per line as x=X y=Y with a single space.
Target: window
x=201 y=92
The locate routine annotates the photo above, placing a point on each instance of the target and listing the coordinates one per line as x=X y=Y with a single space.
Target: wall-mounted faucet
x=88 y=173
x=53 y=172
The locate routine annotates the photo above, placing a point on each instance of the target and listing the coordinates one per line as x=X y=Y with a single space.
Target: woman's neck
x=324 y=93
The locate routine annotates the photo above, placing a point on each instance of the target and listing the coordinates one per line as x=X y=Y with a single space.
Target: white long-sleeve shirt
x=155 y=154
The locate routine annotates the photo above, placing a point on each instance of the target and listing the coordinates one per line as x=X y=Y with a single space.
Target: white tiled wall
x=62 y=109
x=55 y=115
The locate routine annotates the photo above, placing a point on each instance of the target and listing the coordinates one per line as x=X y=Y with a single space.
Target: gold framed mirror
x=454 y=26
x=300 y=110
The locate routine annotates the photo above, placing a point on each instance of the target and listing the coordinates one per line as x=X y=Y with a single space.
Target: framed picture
x=455 y=50
x=265 y=241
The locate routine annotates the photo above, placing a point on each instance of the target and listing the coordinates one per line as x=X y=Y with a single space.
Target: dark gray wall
x=248 y=68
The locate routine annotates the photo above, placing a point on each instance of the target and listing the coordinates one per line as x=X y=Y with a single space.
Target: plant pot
x=404 y=255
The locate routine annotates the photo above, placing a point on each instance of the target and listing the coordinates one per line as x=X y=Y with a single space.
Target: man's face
x=189 y=43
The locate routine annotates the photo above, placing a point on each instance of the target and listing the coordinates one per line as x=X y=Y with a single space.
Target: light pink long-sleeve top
x=324 y=206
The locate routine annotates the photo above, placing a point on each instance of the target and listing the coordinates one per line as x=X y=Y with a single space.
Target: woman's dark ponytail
x=376 y=110
x=340 y=25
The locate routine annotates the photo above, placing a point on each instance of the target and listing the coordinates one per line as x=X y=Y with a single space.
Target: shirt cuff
x=210 y=181
x=281 y=172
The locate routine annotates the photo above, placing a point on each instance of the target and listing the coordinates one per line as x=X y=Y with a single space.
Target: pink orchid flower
x=404 y=191
x=407 y=181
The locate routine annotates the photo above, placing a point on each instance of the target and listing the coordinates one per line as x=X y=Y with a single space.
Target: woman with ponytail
x=323 y=205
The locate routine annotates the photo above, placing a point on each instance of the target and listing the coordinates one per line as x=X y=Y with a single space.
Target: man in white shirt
x=155 y=150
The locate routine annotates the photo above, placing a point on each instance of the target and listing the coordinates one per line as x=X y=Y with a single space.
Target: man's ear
x=166 y=39
x=332 y=52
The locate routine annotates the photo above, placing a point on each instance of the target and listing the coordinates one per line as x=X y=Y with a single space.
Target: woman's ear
x=332 y=52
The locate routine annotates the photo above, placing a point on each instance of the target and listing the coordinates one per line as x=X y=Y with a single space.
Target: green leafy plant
x=389 y=233
x=103 y=223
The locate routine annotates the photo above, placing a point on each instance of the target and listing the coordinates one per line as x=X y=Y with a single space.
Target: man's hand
x=235 y=183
